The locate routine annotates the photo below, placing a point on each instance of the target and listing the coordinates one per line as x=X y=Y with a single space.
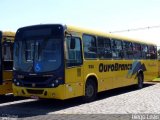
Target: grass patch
x=156 y=80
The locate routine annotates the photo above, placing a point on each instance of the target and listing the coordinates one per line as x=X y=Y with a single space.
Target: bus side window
x=89 y=46
x=155 y=49
x=73 y=56
x=152 y=52
x=144 y=49
x=137 y=51
x=117 y=50
x=104 y=48
x=128 y=50
x=7 y=50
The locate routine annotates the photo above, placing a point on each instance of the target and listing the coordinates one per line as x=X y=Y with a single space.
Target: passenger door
x=74 y=69
x=7 y=60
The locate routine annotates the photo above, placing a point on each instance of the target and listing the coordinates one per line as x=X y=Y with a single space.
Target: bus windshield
x=37 y=55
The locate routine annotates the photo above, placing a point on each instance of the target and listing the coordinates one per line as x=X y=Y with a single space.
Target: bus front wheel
x=90 y=91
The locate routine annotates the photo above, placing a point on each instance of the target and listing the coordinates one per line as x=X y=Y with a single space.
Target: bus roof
x=8 y=35
x=93 y=32
x=103 y=34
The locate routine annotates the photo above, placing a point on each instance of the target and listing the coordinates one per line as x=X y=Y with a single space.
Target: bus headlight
x=14 y=80
x=52 y=84
x=56 y=81
x=17 y=83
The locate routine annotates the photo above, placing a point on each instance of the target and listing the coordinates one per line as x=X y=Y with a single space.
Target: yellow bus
x=60 y=62
x=6 y=61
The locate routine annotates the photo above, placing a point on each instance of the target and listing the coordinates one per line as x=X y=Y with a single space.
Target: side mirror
x=72 y=43
x=73 y=40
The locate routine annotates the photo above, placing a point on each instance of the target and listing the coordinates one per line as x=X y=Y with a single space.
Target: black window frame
x=95 y=39
x=144 y=46
x=75 y=65
x=7 y=64
x=126 y=53
x=137 y=51
x=107 y=50
x=121 y=53
x=1 y=62
x=152 y=52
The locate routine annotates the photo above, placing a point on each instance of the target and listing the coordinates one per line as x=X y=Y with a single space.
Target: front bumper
x=51 y=93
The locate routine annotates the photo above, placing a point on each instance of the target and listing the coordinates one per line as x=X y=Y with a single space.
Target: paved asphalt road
x=122 y=103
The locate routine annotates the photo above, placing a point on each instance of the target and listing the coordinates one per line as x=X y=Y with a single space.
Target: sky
x=101 y=15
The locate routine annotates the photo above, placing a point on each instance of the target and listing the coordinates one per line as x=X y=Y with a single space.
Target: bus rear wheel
x=140 y=81
x=90 y=91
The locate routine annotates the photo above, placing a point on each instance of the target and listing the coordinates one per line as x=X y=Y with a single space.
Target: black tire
x=2 y=97
x=90 y=91
x=140 y=81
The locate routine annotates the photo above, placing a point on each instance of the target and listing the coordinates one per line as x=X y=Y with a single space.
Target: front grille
x=39 y=81
x=37 y=85
x=35 y=78
x=30 y=91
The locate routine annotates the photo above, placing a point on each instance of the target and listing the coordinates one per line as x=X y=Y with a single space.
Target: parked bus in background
x=6 y=61
x=158 y=50
x=61 y=62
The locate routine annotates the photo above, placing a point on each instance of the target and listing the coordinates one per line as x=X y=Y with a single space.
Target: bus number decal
x=91 y=66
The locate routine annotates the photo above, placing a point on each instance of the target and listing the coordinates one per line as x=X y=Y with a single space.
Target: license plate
x=34 y=97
